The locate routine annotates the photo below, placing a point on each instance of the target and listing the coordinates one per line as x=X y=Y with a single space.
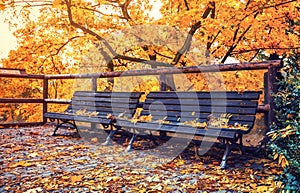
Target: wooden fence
x=271 y=68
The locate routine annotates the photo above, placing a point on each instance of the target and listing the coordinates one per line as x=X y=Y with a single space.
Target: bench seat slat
x=189 y=116
x=81 y=118
x=175 y=128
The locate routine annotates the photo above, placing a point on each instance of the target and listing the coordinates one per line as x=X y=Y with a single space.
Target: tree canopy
x=53 y=36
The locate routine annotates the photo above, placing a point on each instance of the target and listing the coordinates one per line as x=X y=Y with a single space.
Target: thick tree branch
x=106 y=44
x=211 y=7
x=124 y=8
x=86 y=30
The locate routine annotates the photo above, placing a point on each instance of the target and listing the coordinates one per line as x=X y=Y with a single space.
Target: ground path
x=31 y=160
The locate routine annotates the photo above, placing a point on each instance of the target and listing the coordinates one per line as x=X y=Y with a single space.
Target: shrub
x=285 y=132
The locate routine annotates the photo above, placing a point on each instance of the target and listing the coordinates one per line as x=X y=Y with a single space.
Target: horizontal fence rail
x=173 y=70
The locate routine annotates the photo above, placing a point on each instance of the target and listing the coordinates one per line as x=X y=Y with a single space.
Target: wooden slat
x=202 y=102
x=188 y=115
x=204 y=109
x=108 y=94
x=80 y=118
x=249 y=95
x=103 y=110
x=176 y=129
x=105 y=100
x=100 y=104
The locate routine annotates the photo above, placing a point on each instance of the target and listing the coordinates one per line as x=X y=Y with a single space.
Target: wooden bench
x=94 y=107
x=170 y=111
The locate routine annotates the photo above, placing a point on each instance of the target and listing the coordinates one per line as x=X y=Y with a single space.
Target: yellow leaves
x=196 y=124
x=288 y=130
x=141 y=119
x=21 y=164
x=113 y=179
x=145 y=118
x=76 y=178
x=283 y=161
x=84 y=112
x=219 y=120
x=76 y=147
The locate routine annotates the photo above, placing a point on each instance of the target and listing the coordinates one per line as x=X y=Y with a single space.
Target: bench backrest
x=179 y=107
x=105 y=103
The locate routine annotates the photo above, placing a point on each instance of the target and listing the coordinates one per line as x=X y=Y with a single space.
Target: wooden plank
x=204 y=109
x=203 y=116
x=108 y=94
x=247 y=95
x=182 y=129
x=80 y=118
x=107 y=100
x=199 y=119
x=202 y=102
x=88 y=104
x=21 y=100
x=104 y=110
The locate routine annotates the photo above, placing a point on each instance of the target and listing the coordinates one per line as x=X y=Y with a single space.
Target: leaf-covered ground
x=32 y=160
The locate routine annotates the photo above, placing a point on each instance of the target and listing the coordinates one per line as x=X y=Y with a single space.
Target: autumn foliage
x=57 y=37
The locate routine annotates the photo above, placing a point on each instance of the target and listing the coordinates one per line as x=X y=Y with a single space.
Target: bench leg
x=109 y=137
x=129 y=147
x=240 y=145
x=77 y=135
x=152 y=138
x=56 y=128
x=225 y=156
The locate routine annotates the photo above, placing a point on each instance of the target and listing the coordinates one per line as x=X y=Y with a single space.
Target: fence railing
x=271 y=68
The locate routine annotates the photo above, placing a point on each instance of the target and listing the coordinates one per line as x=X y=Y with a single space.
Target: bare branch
x=192 y=31
x=101 y=13
x=186 y=5
x=61 y=47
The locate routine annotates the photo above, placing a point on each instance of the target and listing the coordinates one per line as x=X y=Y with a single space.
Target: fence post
x=270 y=90
x=94 y=89
x=163 y=87
x=45 y=96
x=94 y=84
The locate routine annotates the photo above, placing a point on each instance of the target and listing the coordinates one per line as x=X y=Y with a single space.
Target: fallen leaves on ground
x=43 y=163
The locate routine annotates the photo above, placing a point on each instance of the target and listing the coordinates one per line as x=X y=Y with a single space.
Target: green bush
x=285 y=132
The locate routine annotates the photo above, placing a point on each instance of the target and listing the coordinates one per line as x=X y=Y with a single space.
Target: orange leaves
x=21 y=164
x=76 y=178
